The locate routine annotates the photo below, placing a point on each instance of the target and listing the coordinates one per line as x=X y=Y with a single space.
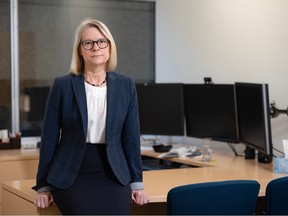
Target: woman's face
x=95 y=57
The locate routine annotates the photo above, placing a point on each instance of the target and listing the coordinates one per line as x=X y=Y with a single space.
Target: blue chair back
x=231 y=197
x=276 y=197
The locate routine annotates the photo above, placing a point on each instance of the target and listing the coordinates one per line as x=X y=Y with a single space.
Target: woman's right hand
x=43 y=199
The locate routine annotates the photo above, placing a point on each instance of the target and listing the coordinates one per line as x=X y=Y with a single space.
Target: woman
x=90 y=159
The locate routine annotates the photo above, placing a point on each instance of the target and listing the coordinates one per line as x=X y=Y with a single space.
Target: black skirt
x=96 y=189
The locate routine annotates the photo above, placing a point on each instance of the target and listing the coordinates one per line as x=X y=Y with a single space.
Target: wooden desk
x=182 y=160
x=157 y=183
x=17 y=164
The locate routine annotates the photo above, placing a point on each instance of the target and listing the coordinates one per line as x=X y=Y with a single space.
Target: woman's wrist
x=137 y=186
x=44 y=189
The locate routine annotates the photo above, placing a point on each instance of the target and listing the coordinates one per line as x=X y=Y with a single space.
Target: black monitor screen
x=32 y=126
x=161 y=109
x=210 y=112
x=254 y=116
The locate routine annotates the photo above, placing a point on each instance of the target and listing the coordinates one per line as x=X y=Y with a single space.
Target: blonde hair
x=77 y=65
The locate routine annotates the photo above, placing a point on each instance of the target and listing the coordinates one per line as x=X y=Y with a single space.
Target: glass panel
x=5 y=91
x=46 y=33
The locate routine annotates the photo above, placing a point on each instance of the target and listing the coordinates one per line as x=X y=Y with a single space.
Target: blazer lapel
x=111 y=93
x=80 y=95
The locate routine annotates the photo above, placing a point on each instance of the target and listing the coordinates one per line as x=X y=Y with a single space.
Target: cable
x=278 y=150
x=232 y=147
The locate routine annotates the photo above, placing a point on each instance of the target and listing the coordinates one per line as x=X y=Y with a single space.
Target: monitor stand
x=264 y=158
x=249 y=153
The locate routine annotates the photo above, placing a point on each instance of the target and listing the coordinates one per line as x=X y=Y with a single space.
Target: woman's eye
x=88 y=43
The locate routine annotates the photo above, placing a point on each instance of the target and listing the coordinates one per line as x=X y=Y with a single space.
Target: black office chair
x=276 y=197
x=231 y=197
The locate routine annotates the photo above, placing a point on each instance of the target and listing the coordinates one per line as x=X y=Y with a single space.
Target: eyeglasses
x=89 y=44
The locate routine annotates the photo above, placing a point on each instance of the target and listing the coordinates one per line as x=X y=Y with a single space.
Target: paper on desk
x=285 y=146
x=177 y=152
x=146 y=148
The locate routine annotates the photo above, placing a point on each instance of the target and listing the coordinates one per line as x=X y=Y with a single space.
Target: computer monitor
x=161 y=109
x=210 y=112
x=32 y=126
x=253 y=110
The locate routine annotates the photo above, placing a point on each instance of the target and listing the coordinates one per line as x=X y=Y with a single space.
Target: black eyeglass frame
x=93 y=43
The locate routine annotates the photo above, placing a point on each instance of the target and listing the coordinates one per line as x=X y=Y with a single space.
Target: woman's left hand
x=140 y=197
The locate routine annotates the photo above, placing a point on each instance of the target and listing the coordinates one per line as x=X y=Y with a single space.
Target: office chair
x=230 y=197
x=276 y=196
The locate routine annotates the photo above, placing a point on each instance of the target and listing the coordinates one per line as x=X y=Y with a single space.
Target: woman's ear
x=79 y=51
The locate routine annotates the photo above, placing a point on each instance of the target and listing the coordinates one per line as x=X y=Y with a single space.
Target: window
x=5 y=91
x=46 y=34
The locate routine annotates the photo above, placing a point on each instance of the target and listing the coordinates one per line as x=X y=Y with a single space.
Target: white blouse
x=97 y=108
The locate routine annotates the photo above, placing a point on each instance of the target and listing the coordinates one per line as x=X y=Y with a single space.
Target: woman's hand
x=43 y=199
x=140 y=197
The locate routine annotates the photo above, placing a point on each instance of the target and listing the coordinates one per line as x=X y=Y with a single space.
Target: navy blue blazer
x=63 y=139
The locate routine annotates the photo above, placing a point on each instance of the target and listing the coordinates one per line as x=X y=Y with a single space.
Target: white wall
x=228 y=40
